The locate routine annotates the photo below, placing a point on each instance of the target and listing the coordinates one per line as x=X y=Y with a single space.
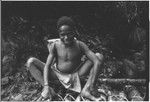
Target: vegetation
x=118 y=30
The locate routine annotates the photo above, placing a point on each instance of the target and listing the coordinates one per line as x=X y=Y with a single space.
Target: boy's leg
x=36 y=68
x=88 y=68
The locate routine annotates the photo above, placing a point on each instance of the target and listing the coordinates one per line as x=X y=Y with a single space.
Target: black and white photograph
x=75 y=51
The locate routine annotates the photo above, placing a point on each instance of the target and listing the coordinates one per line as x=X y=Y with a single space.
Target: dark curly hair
x=65 y=20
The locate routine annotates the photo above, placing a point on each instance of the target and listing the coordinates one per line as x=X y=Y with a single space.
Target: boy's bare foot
x=87 y=94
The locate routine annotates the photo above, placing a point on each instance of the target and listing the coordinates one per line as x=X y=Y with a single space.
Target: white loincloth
x=69 y=81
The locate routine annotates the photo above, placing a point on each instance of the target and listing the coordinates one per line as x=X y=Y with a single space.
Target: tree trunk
x=123 y=81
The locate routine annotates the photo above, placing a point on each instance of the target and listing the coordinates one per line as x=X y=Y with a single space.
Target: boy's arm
x=49 y=61
x=90 y=55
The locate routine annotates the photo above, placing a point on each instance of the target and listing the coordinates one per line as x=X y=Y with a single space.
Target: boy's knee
x=100 y=56
x=30 y=61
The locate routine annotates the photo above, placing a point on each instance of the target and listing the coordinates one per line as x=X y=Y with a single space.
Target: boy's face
x=66 y=34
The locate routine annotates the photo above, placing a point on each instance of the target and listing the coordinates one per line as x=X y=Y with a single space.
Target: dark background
x=119 y=30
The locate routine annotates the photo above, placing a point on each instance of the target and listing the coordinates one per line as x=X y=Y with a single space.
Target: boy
x=67 y=52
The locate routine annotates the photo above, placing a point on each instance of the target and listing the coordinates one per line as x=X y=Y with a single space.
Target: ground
x=22 y=87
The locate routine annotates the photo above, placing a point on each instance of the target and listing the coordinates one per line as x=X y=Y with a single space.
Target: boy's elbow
x=100 y=57
x=97 y=62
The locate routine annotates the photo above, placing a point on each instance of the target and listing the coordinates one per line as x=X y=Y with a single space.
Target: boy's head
x=64 y=20
x=66 y=30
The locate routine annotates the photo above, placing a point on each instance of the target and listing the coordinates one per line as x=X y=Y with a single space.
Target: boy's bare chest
x=69 y=53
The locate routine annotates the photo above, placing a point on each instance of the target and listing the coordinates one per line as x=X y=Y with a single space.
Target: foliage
x=118 y=30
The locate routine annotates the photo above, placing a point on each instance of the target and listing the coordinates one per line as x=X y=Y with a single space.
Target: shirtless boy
x=67 y=52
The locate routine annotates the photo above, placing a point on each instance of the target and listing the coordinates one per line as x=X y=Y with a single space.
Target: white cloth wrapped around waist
x=69 y=81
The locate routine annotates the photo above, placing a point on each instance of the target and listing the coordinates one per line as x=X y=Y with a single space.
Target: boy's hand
x=48 y=92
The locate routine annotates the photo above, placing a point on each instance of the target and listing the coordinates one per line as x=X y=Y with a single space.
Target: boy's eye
x=71 y=34
x=68 y=34
x=62 y=34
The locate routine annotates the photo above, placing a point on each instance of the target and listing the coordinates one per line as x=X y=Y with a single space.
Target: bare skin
x=68 y=58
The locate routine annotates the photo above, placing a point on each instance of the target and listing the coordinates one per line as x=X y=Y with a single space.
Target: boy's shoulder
x=50 y=41
x=57 y=41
